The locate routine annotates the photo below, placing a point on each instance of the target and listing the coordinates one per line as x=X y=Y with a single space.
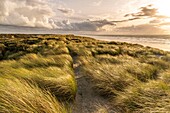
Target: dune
x=76 y=74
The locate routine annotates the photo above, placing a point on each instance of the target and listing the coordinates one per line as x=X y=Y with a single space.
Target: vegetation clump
x=38 y=73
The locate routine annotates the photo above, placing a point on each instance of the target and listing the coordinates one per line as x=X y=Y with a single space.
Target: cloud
x=101 y=23
x=144 y=12
x=126 y=20
x=141 y=29
x=33 y=13
x=111 y=22
x=84 y=26
x=97 y=3
x=79 y=26
x=165 y=24
x=147 y=11
x=66 y=11
x=155 y=21
x=88 y=25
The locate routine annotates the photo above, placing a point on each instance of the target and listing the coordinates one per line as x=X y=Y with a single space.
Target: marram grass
x=37 y=74
x=19 y=96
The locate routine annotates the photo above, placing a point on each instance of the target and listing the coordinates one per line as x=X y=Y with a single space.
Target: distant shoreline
x=120 y=38
x=156 y=41
x=164 y=36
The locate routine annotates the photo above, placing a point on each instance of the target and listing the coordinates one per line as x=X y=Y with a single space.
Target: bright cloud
x=33 y=13
x=120 y=16
x=97 y=3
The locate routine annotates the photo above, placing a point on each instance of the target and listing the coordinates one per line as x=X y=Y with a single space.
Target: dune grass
x=108 y=79
x=48 y=73
x=133 y=77
x=150 y=97
x=40 y=73
x=37 y=74
x=18 y=96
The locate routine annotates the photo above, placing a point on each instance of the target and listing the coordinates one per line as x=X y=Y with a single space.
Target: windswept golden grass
x=19 y=96
x=134 y=78
x=49 y=73
x=37 y=74
x=150 y=97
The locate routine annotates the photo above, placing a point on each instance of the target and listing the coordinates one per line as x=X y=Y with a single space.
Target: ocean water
x=155 y=41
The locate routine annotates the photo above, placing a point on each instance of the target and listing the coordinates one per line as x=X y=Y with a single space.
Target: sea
x=155 y=41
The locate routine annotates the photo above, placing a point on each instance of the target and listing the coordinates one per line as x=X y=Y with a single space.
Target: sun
x=163 y=7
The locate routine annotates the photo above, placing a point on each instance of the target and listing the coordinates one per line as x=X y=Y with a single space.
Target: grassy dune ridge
x=37 y=73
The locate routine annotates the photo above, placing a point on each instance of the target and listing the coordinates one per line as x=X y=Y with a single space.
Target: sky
x=85 y=16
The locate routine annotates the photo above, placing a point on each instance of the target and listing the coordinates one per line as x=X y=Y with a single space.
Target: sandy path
x=87 y=100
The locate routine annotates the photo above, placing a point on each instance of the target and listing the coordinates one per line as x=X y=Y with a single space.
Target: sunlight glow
x=163 y=7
